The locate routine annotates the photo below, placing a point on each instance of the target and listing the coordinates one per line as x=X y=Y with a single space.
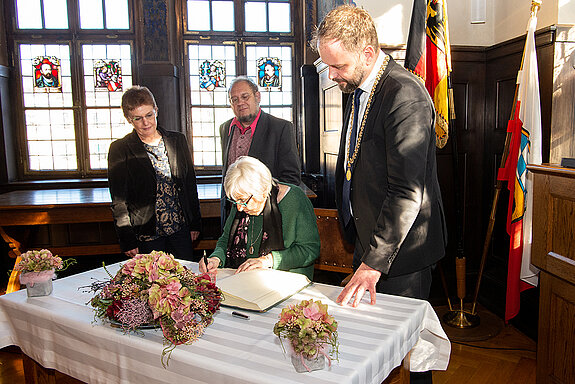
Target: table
x=73 y=206
x=59 y=332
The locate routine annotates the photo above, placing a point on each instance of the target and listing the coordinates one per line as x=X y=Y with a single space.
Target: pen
x=205 y=261
x=240 y=315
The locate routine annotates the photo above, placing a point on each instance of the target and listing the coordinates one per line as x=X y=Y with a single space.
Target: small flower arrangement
x=155 y=289
x=39 y=266
x=309 y=329
x=42 y=260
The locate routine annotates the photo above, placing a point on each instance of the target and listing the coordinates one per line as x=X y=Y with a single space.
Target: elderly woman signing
x=271 y=224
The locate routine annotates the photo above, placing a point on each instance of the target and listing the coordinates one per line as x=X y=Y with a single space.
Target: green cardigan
x=300 y=234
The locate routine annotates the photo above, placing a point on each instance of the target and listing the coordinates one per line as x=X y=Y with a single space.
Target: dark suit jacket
x=396 y=201
x=132 y=182
x=273 y=144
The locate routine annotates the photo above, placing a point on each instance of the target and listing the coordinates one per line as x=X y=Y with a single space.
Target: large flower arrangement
x=155 y=289
x=310 y=330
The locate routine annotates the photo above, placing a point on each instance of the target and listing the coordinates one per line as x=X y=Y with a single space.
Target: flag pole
x=458 y=318
x=535 y=5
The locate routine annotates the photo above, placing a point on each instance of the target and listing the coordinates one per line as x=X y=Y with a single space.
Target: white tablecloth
x=59 y=331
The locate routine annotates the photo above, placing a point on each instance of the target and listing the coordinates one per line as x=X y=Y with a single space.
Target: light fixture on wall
x=478 y=11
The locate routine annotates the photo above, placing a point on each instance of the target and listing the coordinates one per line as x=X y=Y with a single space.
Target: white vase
x=39 y=289
x=307 y=365
x=37 y=283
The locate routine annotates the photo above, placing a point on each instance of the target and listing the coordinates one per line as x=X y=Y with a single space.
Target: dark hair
x=136 y=97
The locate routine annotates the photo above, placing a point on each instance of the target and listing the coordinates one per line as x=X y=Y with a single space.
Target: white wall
x=504 y=19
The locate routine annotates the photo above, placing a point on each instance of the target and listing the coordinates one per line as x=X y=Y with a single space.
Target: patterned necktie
x=346 y=208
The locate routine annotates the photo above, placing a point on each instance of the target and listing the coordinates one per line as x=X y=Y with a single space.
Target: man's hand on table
x=364 y=279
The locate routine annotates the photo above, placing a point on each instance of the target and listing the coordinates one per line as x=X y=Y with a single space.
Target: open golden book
x=259 y=289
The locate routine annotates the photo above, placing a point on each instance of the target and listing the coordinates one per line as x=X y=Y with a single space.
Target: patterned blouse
x=169 y=214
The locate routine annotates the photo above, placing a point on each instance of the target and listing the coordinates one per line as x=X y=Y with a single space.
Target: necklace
x=253 y=241
x=351 y=159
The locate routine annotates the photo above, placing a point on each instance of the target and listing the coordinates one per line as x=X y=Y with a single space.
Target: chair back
x=336 y=254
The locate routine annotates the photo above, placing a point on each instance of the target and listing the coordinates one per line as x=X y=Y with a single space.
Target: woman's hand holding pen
x=209 y=266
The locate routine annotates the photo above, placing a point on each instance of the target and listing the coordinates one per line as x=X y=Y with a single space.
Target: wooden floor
x=507 y=358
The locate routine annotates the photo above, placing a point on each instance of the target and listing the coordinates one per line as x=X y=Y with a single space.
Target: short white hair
x=247 y=176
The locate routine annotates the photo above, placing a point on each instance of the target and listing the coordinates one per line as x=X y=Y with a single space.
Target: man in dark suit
x=252 y=132
x=387 y=190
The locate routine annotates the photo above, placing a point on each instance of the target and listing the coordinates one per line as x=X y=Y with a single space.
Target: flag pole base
x=461 y=319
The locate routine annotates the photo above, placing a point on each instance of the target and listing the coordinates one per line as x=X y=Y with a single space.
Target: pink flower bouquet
x=155 y=289
x=40 y=266
x=310 y=330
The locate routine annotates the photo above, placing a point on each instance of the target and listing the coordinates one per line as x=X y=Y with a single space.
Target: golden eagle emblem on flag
x=429 y=57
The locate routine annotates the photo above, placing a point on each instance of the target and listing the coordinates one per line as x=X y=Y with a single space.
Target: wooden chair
x=336 y=255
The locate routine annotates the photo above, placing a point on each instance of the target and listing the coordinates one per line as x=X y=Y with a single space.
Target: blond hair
x=349 y=24
x=247 y=176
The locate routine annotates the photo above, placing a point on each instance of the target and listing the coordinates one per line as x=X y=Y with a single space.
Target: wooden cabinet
x=554 y=254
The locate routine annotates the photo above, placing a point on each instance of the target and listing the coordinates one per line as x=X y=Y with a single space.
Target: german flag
x=428 y=56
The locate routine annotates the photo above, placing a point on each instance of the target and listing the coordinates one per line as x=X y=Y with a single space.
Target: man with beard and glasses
x=252 y=132
x=387 y=191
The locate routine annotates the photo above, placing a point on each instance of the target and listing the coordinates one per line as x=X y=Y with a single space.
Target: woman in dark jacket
x=152 y=183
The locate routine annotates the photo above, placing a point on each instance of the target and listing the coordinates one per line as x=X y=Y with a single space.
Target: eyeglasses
x=243 y=204
x=147 y=116
x=245 y=97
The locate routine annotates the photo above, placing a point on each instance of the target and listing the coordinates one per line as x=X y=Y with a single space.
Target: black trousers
x=178 y=244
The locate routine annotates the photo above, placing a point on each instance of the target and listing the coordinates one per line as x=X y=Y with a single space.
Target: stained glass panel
x=107 y=73
x=47 y=74
x=35 y=85
x=209 y=109
x=269 y=73
x=94 y=56
x=107 y=76
x=279 y=101
x=212 y=75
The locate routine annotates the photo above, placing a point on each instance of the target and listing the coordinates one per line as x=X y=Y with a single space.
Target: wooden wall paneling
x=545 y=41
x=554 y=253
x=555 y=348
x=469 y=96
x=562 y=111
x=331 y=101
x=502 y=64
x=310 y=122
